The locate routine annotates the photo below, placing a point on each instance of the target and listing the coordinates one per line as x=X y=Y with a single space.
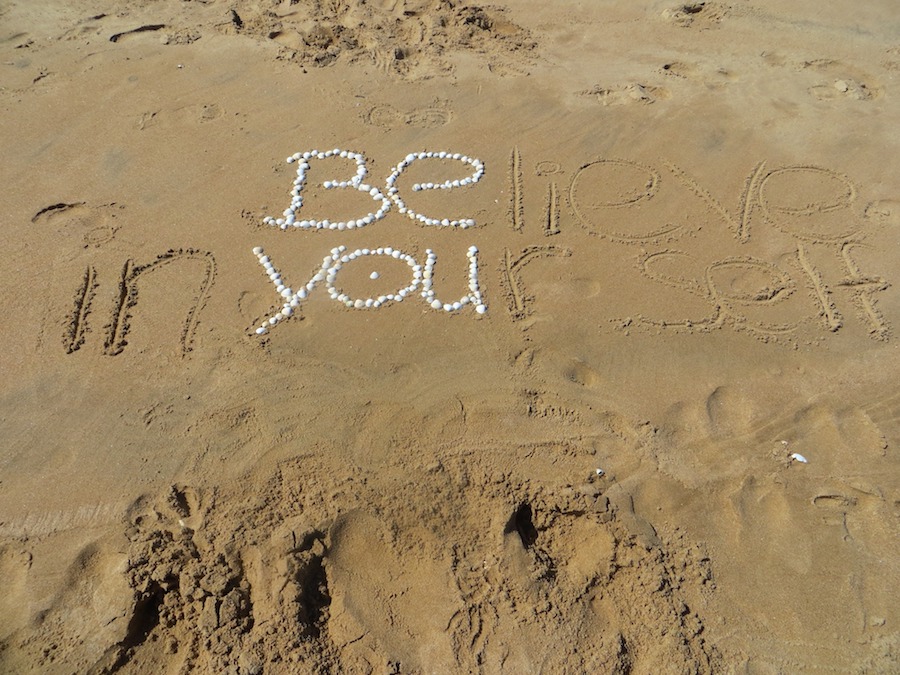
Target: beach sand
x=687 y=241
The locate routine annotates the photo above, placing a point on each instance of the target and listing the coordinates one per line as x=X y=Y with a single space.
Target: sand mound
x=411 y=38
x=299 y=586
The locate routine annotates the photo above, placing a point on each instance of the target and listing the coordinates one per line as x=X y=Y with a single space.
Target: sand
x=687 y=236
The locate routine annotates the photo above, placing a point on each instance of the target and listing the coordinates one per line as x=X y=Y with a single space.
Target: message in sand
x=810 y=204
x=622 y=202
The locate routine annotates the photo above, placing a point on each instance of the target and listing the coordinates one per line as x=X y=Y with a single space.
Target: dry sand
x=687 y=238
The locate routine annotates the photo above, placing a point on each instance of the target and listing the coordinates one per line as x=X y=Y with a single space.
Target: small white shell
x=797 y=457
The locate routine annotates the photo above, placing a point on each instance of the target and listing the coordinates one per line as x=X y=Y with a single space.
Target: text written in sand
x=789 y=262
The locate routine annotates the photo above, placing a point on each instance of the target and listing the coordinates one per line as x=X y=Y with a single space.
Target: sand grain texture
x=687 y=232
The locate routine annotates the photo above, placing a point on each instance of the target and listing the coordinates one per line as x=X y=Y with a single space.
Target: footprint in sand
x=94 y=592
x=695 y=15
x=841 y=81
x=891 y=60
x=583 y=374
x=391 y=598
x=90 y=225
x=884 y=211
x=388 y=117
x=196 y=113
x=626 y=94
x=709 y=77
x=584 y=567
x=15 y=563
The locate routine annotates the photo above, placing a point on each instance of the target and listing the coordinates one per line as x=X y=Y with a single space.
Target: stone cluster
x=339 y=257
x=290 y=216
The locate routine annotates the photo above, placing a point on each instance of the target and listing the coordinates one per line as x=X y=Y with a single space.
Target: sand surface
x=687 y=242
